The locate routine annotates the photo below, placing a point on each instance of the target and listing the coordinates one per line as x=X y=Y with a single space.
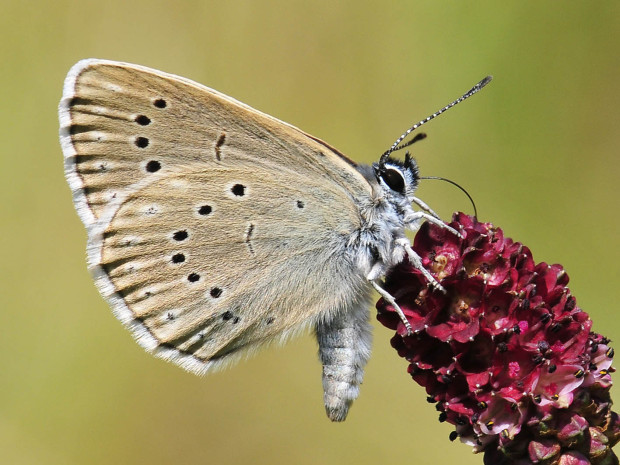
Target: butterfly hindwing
x=205 y=263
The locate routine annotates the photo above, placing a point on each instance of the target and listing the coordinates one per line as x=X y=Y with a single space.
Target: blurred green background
x=538 y=150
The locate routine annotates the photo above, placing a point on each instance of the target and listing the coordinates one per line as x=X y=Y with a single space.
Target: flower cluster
x=505 y=352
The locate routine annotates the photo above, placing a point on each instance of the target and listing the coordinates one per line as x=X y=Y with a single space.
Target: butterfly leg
x=412 y=222
x=389 y=299
x=344 y=348
x=425 y=207
x=416 y=261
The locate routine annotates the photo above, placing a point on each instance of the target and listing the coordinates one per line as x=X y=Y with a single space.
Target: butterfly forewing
x=211 y=225
x=121 y=123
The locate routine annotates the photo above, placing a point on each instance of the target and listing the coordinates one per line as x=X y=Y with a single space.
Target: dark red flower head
x=505 y=352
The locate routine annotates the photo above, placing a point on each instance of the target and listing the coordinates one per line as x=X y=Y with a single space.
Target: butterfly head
x=397 y=178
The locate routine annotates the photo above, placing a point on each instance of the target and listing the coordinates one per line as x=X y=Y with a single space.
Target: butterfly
x=214 y=228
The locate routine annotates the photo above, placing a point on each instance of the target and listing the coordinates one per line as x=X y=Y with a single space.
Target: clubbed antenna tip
x=484 y=82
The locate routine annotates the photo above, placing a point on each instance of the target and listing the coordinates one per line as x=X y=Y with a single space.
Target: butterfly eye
x=394 y=180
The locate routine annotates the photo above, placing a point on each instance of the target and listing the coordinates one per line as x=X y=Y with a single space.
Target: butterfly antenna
x=468 y=94
x=419 y=136
x=457 y=185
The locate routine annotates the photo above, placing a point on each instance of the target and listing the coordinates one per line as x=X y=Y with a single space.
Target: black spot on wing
x=153 y=166
x=143 y=120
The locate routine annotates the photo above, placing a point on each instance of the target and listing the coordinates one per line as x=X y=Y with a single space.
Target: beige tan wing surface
x=212 y=227
x=204 y=264
x=121 y=123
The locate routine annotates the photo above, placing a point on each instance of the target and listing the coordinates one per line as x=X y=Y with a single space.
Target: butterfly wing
x=199 y=267
x=211 y=225
x=122 y=122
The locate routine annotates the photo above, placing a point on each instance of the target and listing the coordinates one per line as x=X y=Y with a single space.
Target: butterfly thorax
x=385 y=215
